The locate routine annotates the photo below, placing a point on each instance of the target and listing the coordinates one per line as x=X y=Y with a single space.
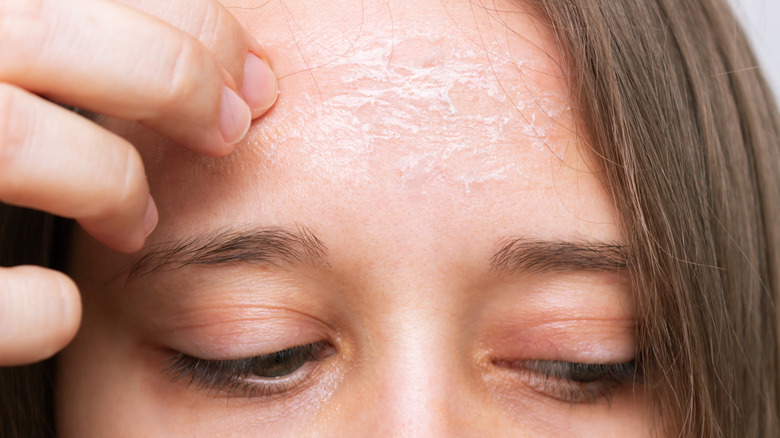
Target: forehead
x=419 y=85
x=404 y=110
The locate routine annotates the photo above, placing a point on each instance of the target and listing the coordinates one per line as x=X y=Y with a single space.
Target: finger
x=54 y=160
x=113 y=59
x=40 y=312
x=233 y=47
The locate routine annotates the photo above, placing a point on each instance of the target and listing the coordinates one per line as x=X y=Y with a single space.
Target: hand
x=184 y=68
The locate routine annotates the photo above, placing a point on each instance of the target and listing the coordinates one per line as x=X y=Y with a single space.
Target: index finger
x=221 y=33
x=113 y=59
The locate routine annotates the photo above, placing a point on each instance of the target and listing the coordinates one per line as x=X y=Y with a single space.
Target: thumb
x=40 y=312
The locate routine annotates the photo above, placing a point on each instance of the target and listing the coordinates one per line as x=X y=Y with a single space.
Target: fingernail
x=150 y=217
x=260 y=88
x=234 y=117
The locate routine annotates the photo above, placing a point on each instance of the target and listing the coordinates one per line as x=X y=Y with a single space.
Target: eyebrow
x=278 y=246
x=274 y=246
x=521 y=254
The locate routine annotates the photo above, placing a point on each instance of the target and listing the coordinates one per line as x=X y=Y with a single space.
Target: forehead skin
x=411 y=137
x=408 y=110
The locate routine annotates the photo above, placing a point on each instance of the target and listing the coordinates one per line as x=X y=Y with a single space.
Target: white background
x=761 y=20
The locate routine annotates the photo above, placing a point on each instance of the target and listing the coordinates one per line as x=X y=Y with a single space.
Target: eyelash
x=573 y=382
x=239 y=376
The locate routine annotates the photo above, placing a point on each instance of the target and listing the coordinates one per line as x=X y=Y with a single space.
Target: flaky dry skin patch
x=429 y=99
x=423 y=96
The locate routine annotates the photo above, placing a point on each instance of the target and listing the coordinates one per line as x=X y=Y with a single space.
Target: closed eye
x=575 y=382
x=265 y=375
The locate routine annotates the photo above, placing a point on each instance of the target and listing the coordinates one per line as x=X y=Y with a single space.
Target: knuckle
x=222 y=34
x=209 y=22
x=185 y=77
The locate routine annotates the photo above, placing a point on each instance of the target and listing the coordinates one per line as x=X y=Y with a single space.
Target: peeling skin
x=457 y=106
x=436 y=102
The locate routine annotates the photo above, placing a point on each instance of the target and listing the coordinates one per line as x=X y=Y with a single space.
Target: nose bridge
x=413 y=360
x=416 y=389
x=415 y=364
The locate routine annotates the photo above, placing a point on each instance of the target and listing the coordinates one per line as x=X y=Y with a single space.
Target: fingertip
x=120 y=234
x=260 y=87
x=151 y=216
x=41 y=313
x=259 y=112
x=70 y=314
x=234 y=117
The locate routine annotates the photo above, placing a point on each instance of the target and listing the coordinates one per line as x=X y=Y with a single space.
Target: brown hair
x=689 y=139
x=689 y=142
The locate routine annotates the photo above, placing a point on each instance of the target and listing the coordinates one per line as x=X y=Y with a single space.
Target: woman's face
x=413 y=242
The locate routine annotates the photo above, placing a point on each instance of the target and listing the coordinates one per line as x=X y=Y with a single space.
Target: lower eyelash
x=573 y=382
x=231 y=377
x=576 y=383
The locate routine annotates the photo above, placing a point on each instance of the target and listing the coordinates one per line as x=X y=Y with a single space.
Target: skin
x=424 y=336
x=116 y=59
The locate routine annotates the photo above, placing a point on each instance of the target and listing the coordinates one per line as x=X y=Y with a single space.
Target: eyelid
x=574 y=340
x=582 y=372
x=236 y=332
x=575 y=382
x=234 y=376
